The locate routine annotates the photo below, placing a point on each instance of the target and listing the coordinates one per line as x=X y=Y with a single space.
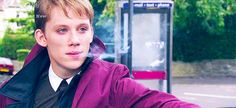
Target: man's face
x=67 y=40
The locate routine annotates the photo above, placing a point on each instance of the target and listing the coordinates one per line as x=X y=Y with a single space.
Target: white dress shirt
x=55 y=80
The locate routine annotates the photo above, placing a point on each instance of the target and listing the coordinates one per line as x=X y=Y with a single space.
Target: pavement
x=4 y=77
x=217 y=92
x=214 y=92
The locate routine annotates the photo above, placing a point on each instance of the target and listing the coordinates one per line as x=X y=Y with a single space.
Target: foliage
x=22 y=53
x=0 y=41
x=104 y=19
x=26 y=24
x=12 y=42
x=21 y=38
x=207 y=15
x=202 y=30
x=1 y=47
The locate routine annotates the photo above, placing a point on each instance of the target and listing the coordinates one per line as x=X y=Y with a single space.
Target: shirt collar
x=56 y=80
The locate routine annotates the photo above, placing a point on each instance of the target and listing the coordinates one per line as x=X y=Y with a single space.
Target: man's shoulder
x=107 y=72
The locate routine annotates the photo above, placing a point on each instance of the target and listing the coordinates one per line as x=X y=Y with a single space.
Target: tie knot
x=63 y=85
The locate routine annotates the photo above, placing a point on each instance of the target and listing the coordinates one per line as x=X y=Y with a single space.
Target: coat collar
x=20 y=87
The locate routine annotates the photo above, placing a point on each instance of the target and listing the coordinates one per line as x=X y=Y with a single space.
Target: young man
x=64 y=70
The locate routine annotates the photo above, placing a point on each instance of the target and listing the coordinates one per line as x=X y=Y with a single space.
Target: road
x=205 y=92
x=4 y=77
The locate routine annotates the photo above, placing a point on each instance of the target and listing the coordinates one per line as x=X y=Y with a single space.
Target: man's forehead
x=58 y=13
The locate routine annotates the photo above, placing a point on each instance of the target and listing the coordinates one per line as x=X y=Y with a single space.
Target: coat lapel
x=21 y=86
x=20 y=105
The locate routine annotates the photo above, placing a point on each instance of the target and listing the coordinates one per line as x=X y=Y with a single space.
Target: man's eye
x=83 y=29
x=62 y=30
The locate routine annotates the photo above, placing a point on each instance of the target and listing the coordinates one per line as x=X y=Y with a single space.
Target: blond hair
x=43 y=9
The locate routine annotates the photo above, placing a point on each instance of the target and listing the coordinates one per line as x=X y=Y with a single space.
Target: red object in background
x=149 y=74
x=6 y=66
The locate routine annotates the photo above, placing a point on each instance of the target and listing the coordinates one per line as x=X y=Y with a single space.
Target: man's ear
x=40 y=38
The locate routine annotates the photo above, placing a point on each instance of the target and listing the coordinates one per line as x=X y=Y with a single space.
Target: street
x=4 y=77
x=205 y=92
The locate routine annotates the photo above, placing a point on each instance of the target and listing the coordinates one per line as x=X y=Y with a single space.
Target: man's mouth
x=74 y=54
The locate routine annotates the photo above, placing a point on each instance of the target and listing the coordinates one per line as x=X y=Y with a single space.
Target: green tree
x=21 y=38
x=26 y=24
x=104 y=19
x=200 y=29
x=103 y=24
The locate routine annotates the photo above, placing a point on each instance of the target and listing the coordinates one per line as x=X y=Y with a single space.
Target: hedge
x=22 y=53
x=11 y=43
x=204 y=47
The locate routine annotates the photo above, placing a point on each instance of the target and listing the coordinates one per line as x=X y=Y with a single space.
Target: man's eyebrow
x=83 y=24
x=65 y=25
x=60 y=25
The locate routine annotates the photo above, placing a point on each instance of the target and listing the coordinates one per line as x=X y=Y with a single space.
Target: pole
x=130 y=24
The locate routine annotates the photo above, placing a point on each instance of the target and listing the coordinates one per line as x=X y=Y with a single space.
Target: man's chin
x=75 y=66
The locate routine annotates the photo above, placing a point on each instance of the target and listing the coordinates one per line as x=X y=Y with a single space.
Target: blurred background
x=203 y=63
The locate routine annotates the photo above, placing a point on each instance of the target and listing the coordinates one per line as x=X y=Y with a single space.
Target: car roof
x=4 y=60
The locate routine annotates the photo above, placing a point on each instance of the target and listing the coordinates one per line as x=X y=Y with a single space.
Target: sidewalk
x=206 y=92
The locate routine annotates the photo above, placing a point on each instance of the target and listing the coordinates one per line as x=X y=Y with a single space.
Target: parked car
x=6 y=66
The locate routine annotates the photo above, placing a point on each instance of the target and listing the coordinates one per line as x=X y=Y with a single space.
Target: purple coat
x=103 y=85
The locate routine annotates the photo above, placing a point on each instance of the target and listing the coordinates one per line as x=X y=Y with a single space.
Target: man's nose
x=74 y=39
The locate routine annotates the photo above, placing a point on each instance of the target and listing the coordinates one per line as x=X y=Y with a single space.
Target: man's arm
x=128 y=93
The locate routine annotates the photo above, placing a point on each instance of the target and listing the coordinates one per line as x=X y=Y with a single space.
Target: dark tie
x=62 y=87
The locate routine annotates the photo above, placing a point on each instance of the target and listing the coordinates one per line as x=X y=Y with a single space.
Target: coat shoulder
x=107 y=68
x=108 y=65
